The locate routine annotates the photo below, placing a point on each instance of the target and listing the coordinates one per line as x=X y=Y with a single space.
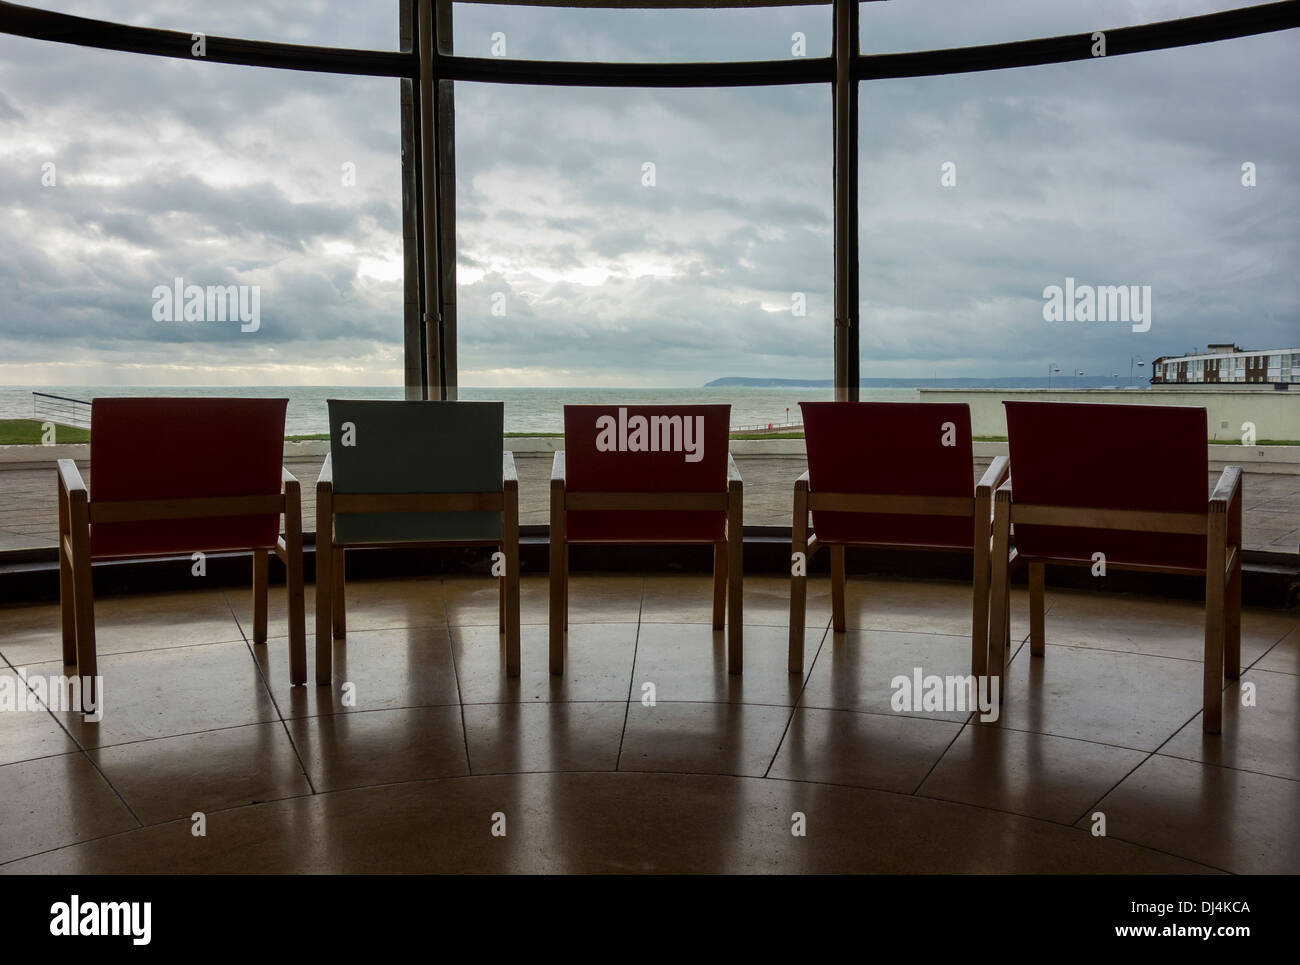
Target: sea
x=527 y=410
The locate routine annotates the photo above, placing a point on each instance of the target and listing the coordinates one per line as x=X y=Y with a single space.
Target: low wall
x=1276 y=414
x=1269 y=459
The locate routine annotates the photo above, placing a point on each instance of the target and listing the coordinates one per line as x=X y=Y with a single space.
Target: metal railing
x=61 y=410
x=769 y=427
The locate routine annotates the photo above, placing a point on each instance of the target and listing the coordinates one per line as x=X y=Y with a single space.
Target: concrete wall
x=1276 y=414
x=1270 y=459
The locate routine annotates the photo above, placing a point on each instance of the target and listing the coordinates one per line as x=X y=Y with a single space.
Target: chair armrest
x=802 y=481
x=733 y=473
x=288 y=480
x=509 y=476
x=70 y=478
x=557 y=470
x=325 y=479
x=994 y=476
x=1227 y=490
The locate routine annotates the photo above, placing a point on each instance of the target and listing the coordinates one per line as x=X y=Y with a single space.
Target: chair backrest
x=890 y=448
x=416 y=447
x=647 y=449
x=159 y=448
x=1109 y=456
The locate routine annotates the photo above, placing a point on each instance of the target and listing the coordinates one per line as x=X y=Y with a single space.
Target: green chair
x=414 y=473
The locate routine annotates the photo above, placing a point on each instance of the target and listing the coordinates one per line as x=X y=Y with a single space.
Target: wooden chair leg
x=512 y=612
x=501 y=594
x=324 y=584
x=1004 y=680
x=1006 y=617
x=838 y=621
x=557 y=578
x=1037 y=572
x=260 y=579
x=979 y=623
x=338 y=594
x=719 y=585
x=1216 y=556
x=295 y=582
x=564 y=571
x=999 y=604
x=798 y=576
x=735 y=579
x=67 y=584
x=1232 y=623
x=83 y=597
x=510 y=582
x=1232 y=598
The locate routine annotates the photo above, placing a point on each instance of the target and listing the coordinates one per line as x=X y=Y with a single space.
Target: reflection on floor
x=423 y=757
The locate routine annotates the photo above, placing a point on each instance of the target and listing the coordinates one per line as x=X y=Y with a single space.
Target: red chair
x=648 y=474
x=1127 y=482
x=178 y=476
x=892 y=474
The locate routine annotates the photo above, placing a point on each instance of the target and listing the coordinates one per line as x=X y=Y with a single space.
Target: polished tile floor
x=646 y=756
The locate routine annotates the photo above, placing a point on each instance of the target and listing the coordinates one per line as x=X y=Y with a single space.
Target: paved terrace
x=29 y=512
x=403 y=778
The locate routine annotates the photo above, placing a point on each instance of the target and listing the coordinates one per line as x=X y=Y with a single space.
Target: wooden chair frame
x=978 y=507
x=76 y=589
x=1220 y=524
x=728 y=553
x=331 y=607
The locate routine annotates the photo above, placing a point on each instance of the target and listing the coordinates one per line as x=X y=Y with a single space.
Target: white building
x=1227 y=363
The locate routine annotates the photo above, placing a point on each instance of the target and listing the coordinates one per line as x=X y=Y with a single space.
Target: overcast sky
x=1118 y=171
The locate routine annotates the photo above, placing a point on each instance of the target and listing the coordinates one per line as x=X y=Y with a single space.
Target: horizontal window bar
x=1243 y=22
x=64 y=28
x=576 y=74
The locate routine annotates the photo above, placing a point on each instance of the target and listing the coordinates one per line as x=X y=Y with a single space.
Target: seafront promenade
x=29 y=511
x=1230 y=411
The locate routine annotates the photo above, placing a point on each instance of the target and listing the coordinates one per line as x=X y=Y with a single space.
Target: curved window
x=656 y=227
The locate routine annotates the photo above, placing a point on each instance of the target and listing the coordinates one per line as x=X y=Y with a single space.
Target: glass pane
x=647 y=240
x=654 y=36
x=1172 y=175
x=372 y=25
x=905 y=25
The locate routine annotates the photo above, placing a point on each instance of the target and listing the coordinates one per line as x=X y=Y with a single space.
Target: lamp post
x=1132 y=360
x=1051 y=367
